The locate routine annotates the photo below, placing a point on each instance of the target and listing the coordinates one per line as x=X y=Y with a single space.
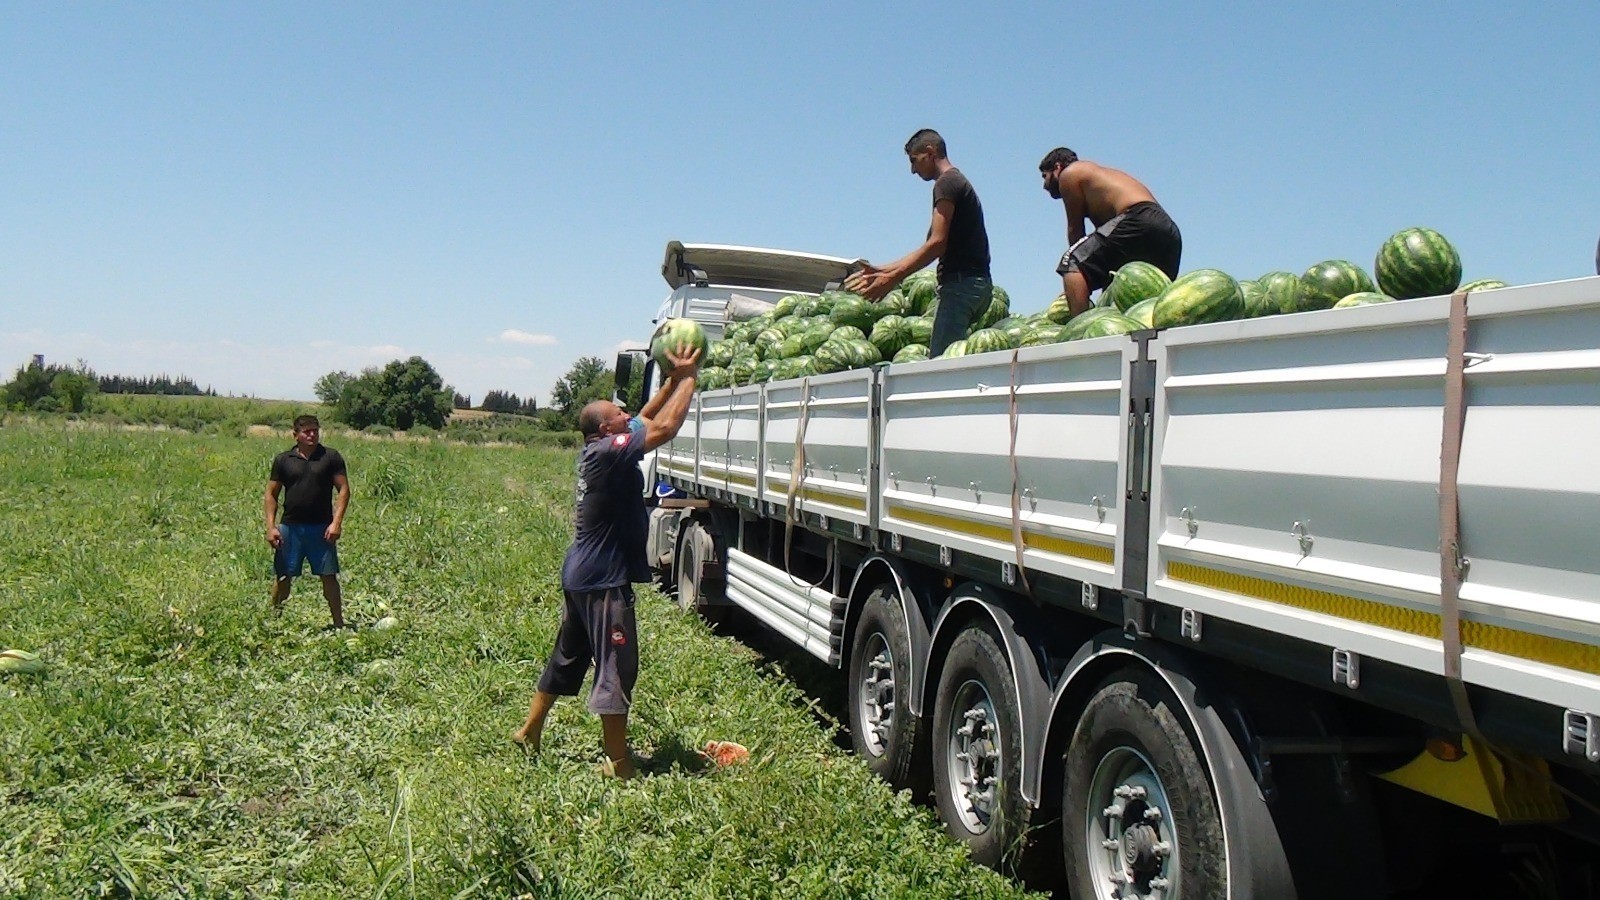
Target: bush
x=378 y=430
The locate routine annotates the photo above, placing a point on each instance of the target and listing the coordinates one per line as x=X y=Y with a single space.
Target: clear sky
x=256 y=194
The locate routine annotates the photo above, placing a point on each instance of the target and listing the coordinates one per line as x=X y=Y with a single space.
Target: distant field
x=184 y=744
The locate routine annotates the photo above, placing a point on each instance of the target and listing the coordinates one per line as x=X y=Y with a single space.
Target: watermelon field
x=180 y=742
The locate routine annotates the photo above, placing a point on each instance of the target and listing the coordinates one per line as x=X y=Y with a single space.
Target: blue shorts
x=300 y=544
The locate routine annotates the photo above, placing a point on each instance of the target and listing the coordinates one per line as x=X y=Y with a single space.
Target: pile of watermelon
x=837 y=330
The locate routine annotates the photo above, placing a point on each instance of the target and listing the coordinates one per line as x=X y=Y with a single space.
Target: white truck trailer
x=1182 y=607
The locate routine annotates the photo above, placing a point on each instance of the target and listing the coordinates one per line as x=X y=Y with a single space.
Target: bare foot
x=520 y=738
x=622 y=770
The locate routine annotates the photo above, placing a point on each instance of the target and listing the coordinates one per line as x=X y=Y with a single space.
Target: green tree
x=330 y=387
x=588 y=380
x=399 y=395
x=50 y=388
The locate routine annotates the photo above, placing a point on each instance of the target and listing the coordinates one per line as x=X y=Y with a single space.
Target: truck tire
x=977 y=749
x=695 y=548
x=882 y=728
x=1138 y=816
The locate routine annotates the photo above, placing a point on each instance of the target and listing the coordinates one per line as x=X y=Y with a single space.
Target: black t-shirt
x=307 y=484
x=609 y=518
x=966 y=252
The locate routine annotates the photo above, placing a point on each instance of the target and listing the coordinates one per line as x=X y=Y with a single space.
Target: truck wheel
x=977 y=761
x=695 y=548
x=881 y=725
x=1139 y=818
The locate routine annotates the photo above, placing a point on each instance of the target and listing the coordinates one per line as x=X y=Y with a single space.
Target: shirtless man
x=1129 y=225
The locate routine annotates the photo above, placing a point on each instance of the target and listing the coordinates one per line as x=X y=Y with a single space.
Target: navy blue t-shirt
x=610 y=519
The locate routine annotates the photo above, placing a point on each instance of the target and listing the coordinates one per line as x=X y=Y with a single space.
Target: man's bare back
x=1102 y=191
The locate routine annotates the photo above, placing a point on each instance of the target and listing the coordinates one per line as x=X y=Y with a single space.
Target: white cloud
x=513 y=336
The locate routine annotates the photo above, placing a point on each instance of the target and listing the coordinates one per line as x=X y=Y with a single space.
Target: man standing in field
x=604 y=560
x=1129 y=225
x=956 y=237
x=308 y=475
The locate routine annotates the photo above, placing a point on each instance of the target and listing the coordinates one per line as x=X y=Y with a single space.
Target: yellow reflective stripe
x=1553 y=651
x=1033 y=540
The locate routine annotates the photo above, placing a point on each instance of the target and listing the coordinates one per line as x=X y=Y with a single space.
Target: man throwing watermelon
x=1129 y=226
x=956 y=238
x=605 y=559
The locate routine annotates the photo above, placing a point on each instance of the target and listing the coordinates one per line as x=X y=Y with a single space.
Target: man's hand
x=333 y=532
x=871 y=282
x=685 y=361
x=274 y=536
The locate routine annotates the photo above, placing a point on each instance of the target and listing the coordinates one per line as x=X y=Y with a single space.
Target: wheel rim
x=973 y=756
x=1131 y=841
x=688 y=591
x=875 y=696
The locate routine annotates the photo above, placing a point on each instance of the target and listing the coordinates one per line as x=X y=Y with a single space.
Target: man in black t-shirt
x=605 y=559
x=308 y=475
x=956 y=238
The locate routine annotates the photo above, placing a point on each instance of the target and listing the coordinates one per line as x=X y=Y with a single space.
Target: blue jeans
x=961 y=302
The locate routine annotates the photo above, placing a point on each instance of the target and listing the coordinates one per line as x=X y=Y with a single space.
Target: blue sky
x=256 y=194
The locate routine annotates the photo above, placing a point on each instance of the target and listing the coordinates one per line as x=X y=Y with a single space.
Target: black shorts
x=1141 y=233
x=597 y=627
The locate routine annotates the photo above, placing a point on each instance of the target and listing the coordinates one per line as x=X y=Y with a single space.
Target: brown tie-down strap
x=1017 y=542
x=1451 y=558
x=797 y=470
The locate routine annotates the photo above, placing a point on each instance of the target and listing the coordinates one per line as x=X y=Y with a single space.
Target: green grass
x=184 y=744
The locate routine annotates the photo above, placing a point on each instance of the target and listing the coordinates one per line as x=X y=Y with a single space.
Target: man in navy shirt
x=315 y=491
x=605 y=559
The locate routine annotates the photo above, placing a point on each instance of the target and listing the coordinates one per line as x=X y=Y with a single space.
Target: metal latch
x=1346 y=669
x=895 y=542
x=1008 y=573
x=944 y=556
x=1580 y=734
x=1189 y=624
x=1091 y=596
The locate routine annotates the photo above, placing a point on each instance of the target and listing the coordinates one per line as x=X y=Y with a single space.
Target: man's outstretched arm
x=874 y=283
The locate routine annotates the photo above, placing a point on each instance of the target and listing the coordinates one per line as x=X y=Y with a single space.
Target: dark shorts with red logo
x=596 y=627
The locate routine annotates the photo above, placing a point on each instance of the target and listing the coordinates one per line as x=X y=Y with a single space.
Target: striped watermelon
x=921 y=329
x=1143 y=312
x=1256 y=303
x=1282 y=290
x=1101 y=326
x=999 y=308
x=813 y=337
x=1046 y=333
x=956 y=348
x=1417 y=262
x=988 y=340
x=921 y=289
x=786 y=306
x=863 y=353
x=790 y=347
x=1075 y=327
x=675 y=333
x=1330 y=281
x=847 y=333
x=890 y=334
x=1364 y=298
x=1482 y=284
x=1204 y=295
x=894 y=303
x=911 y=353
x=832 y=356
x=852 y=310
x=1058 y=311
x=1134 y=282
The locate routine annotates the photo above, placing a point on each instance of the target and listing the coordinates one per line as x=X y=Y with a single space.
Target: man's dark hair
x=926 y=139
x=1060 y=156
x=590 y=418
x=302 y=422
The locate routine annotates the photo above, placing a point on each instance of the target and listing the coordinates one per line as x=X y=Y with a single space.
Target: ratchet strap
x=1016 y=485
x=1452 y=563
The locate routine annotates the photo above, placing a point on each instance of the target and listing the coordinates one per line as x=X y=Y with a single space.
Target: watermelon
x=1058 y=311
x=1363 y=298
x=1282 y=290
x=832 y=356
x=1256 y=303
x=1074 y=328
x=1014 y=327
x=890 y=334
x=1143 y=312
x=956 y=348
x=1204 y=295
x=863 y=353
x=847 y=333
x=1482 y=284
x=921 y=329
x=742 y=370
x=1114 y=323
x=785 y=306
x=1038 y=335
x=911 y=353
x=999 y=308
x=675 y=333
x=789 y=326
x=894 y=303
x=1133 y=283
x=790 y=347
x=807 y=306
x=711 y=378
x=20 y=662
x=921 y=290
x=766 y=343
x=988 y=340
x=852 y=310
x=720 y=353
x=813 y=337
x=1330 y=281
x=1417 y=262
